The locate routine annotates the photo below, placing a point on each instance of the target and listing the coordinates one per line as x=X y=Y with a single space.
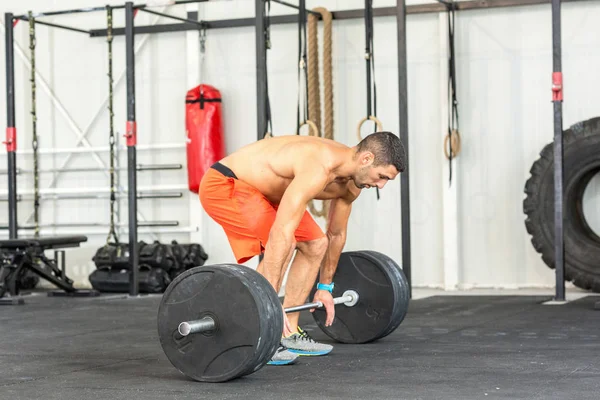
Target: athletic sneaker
x=283 y=356
x=301 y=343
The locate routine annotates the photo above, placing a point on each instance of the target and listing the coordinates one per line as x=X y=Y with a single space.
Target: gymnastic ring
x=365 y=119
x=312 y=127
x=456 y=145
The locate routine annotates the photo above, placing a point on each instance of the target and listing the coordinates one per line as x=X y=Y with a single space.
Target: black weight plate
x=273 y=311
x=226 y=294
x=401 y=291
x=377 y=307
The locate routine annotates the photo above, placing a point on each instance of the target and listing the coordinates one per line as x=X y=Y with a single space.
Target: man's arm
x=339 y=213
x=306 y=185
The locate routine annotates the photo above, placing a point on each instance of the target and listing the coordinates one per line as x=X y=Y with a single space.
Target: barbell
x=349 y=298
x=221 y=322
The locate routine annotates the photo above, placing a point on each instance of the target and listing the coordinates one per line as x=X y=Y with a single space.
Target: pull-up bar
x=69 y=28
x=285 y=3
x=115 y=7
x=438 y=7
x=189 y=21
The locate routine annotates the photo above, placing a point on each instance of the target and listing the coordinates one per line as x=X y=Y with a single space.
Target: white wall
x=504 y=69
x=75 y=66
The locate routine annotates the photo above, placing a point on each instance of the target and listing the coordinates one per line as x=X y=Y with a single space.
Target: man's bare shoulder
x=310 y=150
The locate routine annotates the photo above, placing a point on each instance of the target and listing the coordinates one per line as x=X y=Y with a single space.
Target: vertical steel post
x=131 y=135
x=261 y=70
x=11 y=130
x=557 y=98
x=368 y=50
x=403 y=113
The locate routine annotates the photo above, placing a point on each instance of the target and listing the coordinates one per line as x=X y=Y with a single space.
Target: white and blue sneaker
x=302 y=344
x=283 y=356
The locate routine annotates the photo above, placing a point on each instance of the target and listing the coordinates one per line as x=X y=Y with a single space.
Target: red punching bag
x=204 y=126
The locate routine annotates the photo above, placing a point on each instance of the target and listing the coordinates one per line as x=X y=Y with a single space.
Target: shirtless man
x=259 y=195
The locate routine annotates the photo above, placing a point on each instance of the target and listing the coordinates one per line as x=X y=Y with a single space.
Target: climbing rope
x=313 y=85
x=314 y=90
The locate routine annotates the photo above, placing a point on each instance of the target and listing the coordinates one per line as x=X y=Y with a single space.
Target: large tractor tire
x=581 y=149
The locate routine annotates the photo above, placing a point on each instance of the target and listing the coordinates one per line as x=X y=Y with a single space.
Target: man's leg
x=301 y=278
x=239 y=218
x=283 y=356
x=287 y=329
x=302 y=275
x=273 y=275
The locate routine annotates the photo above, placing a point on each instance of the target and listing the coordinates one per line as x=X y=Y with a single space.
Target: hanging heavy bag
x=205 y=142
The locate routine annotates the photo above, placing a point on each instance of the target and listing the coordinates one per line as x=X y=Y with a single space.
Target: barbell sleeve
x=200 y=325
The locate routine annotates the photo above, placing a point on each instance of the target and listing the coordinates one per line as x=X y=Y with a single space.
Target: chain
x=34 y=140
x=109 y=39
x=202 y=38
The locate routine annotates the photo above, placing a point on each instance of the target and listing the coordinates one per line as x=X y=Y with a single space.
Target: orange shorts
x=245 y=214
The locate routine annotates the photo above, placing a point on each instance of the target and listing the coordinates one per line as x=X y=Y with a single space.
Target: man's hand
x=327 y=299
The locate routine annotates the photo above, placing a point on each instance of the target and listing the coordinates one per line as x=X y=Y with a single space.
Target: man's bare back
x=271 y=164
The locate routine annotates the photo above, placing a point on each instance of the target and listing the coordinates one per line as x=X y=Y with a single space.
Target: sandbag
x=196 y=256
x=28 y=279
x=114 y=280
x=205 y=142
x=112 y=255
x=189 y=255
x=158 y=255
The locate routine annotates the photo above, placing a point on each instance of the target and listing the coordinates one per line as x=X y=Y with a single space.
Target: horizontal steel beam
x=337 y=15
x=189 y=21
x=65 y=27
x=285 y=3
x=140 y=167
x=98 y=190
x=93 y=9
x=140 y=196
x=94 y=231
x=99 y=149
x=96 y=224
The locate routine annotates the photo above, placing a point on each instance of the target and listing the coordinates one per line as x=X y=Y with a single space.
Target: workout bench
x=16 y=255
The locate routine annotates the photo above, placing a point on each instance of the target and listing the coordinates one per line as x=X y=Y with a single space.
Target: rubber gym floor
x=448 y=347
